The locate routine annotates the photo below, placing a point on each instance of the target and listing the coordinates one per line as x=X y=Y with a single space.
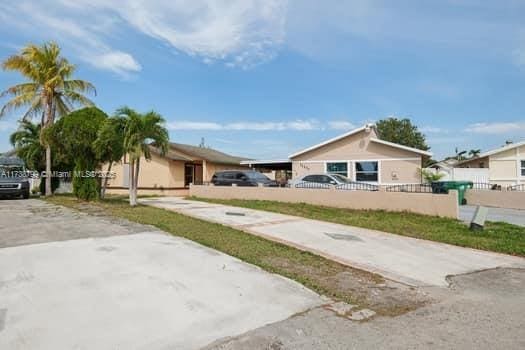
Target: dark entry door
x=188 y=174
x=197 y=174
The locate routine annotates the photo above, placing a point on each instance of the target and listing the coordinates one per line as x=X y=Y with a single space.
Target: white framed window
x=340 y=168
x=523 y=168
x=367 y=171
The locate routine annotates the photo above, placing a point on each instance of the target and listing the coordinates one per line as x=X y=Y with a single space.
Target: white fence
x=480 y=175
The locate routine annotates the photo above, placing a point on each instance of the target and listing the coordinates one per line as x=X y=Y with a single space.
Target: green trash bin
x=460 y=186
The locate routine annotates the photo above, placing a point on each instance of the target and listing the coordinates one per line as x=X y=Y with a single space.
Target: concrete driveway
x=73 y=281
x=511 y=216
x=412 y=261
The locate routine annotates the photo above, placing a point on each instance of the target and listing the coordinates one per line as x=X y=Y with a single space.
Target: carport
x=282 y=168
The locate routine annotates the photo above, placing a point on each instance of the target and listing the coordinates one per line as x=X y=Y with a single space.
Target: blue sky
x=266 y=78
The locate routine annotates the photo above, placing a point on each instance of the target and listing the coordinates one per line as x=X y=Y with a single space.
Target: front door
x=197 y=174
x=188 y=174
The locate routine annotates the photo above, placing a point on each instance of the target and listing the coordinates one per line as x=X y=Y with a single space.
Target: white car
x=328 y=180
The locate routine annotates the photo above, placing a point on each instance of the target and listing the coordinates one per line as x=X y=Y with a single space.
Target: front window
x=523 y=168
x=337 y=168
x=366 y=171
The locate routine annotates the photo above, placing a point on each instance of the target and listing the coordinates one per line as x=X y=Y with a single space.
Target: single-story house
x=361 y=155
x=506 y=165
x=172 y=173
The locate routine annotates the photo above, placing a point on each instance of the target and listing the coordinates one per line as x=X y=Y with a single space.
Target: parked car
x=14 y=181
x=241 y=178
x=327 y=180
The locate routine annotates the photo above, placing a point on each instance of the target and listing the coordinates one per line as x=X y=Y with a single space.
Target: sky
x=266 y=78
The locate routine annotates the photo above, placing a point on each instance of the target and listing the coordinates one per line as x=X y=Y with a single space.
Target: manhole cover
x=235 y=213
x=343 y=237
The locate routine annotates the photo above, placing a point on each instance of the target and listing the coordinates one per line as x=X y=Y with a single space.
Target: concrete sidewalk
x=408 y=260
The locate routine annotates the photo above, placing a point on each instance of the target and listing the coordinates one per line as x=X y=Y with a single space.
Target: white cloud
x=497 y=128
x=116 y=61
x=432 y=130
x=240 y=32
x=246 y=126
x=80 y=34
x=341 y=125
x=187 y=125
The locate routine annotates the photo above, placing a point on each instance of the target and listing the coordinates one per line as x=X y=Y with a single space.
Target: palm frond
x=15 y=103
x=80 y=86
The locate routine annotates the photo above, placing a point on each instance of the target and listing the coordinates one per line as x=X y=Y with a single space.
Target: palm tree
x=474 y=152
x=26 y=141
x=140 y=132
x=49 y=92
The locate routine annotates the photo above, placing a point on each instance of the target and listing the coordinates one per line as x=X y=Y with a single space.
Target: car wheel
x=25 y=195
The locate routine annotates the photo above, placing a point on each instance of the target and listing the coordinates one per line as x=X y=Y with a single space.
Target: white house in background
x=505 y=165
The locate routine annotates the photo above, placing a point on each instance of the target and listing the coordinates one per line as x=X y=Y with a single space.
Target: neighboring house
x=175 y=171
x=505 y=165
x=361 y=155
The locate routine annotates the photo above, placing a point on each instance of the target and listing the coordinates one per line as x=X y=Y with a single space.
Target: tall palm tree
x=26 y=141
x=49 y=91
x=140 y=132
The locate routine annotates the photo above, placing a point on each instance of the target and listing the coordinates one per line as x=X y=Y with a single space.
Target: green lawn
x=497 y=236
x=322 y=275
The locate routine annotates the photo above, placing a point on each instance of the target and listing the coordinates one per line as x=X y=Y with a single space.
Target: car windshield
x=253 y=175
x=8 y=170
x=341 y=178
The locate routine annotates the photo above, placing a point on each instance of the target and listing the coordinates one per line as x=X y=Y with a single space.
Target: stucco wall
x=395 y=165
x=400 y=171
x=445 y=205
x=502 y=170
x=499 y=199
x=303 y=168
x=156 y=173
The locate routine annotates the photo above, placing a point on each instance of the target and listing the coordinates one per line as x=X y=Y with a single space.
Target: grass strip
x=497 y=236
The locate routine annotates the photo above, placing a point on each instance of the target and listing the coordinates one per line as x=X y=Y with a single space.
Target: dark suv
x=241 y=178
x=14 y=181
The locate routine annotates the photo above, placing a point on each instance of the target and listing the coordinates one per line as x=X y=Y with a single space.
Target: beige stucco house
x=172 y=173
x=361 y=155
x=506 y=165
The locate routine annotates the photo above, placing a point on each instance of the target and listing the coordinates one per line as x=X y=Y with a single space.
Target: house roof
x=355 y=131
x=337 y=138
x=502 y=149
x=170 y=154
x=406 y=148
x=203 y=153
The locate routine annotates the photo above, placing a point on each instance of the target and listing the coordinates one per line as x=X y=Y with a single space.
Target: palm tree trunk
x=105 y=182
x=131 y=181
x=48 y=122
x=136 y=184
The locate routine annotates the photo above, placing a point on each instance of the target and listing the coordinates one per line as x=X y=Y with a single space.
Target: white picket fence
x=465 y=174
